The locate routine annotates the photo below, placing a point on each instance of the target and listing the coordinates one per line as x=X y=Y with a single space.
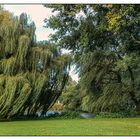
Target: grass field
x=73 y=127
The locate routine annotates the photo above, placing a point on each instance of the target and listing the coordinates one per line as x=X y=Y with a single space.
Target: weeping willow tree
x=32 y=75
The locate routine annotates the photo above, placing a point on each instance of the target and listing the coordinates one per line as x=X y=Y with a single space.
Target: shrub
x=124 y=114
x=57 y=107
x=70 y=115
x=65 y=115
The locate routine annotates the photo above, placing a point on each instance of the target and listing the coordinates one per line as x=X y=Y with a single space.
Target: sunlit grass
x=74 y=127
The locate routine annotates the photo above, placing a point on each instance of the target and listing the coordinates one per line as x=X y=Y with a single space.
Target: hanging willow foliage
x=32 y=75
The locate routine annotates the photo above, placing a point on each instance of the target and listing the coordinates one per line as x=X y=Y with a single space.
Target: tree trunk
x=138 y=108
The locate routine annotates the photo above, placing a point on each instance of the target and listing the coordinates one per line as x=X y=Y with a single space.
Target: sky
x=37 y=13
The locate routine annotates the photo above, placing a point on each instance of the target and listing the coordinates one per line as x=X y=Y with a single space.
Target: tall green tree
x=32 y=75
x=104 y=40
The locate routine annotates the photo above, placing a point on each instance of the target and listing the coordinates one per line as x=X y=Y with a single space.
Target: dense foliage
x=32 y=75
x=104 y=39
x=70 y=97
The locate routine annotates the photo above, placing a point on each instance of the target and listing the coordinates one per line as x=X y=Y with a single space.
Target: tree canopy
x=32 y=74
x=105 y=42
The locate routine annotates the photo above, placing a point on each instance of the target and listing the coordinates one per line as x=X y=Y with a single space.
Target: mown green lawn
x=73 y=127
